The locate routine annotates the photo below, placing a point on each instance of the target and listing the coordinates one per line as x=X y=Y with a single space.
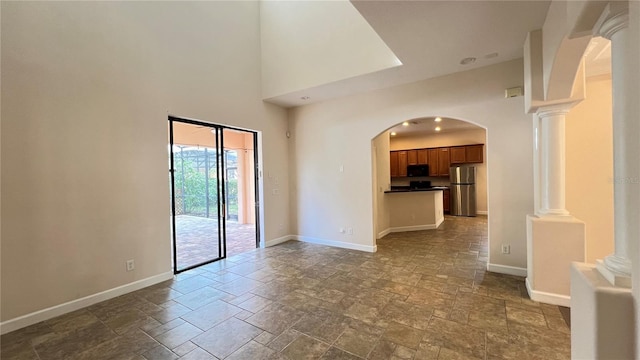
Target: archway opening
x=412 y=188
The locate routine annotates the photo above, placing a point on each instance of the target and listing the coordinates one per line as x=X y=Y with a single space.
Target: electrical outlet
x=350 y=231
x=506 y=249
x=341 y=230
x=131 y=265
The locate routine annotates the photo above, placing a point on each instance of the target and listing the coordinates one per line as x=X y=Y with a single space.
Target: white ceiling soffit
x=431 y=38
x=310 y=43
x=428 y=125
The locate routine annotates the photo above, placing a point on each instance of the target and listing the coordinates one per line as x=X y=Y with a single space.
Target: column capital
x=613 y=20
x=554 y=110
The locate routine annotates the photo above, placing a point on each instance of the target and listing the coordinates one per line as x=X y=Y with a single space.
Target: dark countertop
x=408 y=189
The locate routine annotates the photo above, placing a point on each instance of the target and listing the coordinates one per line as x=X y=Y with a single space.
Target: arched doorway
x=414 y=157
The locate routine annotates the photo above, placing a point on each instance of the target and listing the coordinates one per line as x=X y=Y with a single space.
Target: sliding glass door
x=212 y=190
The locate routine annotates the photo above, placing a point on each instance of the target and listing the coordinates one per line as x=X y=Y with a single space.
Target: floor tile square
x=209 y=315
x=178 y=335
x=305 y=348
x=226 y=337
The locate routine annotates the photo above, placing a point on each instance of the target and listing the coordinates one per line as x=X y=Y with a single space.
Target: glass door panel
x=240 y=191
x=198 y=226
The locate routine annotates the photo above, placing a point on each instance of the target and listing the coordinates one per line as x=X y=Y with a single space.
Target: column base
x=553 y=243
x=614 y=277
x=602 y=316
x=553 y=212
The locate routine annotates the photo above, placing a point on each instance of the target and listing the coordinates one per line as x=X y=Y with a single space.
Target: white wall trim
x=73 y=305
x=505 y=269
x=340 y=244
x=384 y=233
x=547 y=298
x=413 y=228
x=279 y=240
x=482 y=212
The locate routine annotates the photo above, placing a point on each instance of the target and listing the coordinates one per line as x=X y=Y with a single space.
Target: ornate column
x=555 y=239
x=552 y=159
x=626 y=147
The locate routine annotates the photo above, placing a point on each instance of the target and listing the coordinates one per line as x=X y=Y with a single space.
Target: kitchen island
x=414 y=209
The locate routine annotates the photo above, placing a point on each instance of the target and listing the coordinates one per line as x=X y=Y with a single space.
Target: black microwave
x=417 y=170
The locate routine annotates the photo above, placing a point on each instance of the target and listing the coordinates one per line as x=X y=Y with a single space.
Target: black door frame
x=220 y=171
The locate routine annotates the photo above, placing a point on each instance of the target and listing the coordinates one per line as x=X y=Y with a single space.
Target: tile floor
x=423 y=295
x=197 y=239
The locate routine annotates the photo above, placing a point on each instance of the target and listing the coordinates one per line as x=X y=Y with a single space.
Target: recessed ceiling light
x=393 y=133
x=405 y=124
x=467 y=61
x=305 y=98
x=438 y=128
x=438 y=119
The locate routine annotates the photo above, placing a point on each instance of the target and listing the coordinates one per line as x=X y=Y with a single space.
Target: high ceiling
x=432 y=37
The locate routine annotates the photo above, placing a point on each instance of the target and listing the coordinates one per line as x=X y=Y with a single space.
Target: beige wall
x=381 y=167
x=589 y=173
x=465 y=137
x=335 y=133
x=87 y=87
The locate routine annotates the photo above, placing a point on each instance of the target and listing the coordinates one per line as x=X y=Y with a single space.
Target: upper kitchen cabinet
x=458 y=154
x=443 y=162
x=473 y=153
x=432 y=155
x=412 y=157
x=422 y=157
x=438 y=159
x=467 y=154
x=402 y=163
x=393 y=162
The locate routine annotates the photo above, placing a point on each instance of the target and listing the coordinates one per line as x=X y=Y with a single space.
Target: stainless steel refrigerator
x=463 y=190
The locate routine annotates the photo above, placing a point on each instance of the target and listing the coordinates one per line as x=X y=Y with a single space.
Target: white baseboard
x=410 y=228
x=505 y=269
x=384 y=233
x=279 y=240
x=547 y=298
x=73 y=305
x=482 y=212
x=414 y=228
x=340 y=244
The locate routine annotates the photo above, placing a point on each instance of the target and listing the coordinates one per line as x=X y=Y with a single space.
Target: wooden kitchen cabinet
x=458 y=154
x=443 y=162
x=412 y=157
x=432 y=155
x=422 y=157
x=445 y=201
x=438 y=159
x=393 y=162
x=474 y=153
x=402 y=163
